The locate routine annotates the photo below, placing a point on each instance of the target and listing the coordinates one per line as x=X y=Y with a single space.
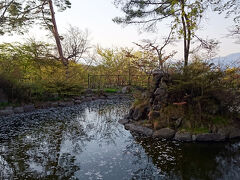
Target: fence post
x=129 y=78
x=88 y=81
x=148 y=83
x=118 y=81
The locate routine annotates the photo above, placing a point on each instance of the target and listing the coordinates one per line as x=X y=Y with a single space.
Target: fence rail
x=113 y=81
x=89 y=82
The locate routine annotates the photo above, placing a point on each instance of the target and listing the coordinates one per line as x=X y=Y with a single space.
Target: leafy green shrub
x=110 y=90
x=203 y=87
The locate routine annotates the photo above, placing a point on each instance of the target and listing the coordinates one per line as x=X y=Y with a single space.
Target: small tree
x=16 y=15
x=76 y=44
x=157 y=50
x=209 y=47
x=230 y=7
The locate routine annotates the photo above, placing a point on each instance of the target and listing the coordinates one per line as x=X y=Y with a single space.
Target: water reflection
x=89 y=143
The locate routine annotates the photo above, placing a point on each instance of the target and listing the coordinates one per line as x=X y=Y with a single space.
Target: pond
x=87 y=142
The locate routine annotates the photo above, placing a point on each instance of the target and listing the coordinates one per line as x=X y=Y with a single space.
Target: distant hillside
x=230 y=60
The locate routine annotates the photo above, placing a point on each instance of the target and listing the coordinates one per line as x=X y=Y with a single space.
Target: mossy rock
x=196 y=130
x=153 y=115
x=158 y=124
x=141 y=111
x=171 y=112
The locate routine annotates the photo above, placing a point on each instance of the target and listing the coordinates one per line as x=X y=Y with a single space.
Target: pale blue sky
x=97 y=15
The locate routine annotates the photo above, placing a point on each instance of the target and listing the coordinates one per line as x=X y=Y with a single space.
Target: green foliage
x=3 y=105
x=114 y=61
x=110 y=90
x=230 y=7
x=18 y=15
x=219 y=120
x=28 y=73
x=151 y=12
x=171 y=111
x=139 y=98
x=199 y=130
x=137 y=102
x=211 y=94
x=185 y=16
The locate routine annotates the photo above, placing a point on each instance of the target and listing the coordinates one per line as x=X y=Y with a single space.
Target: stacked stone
x=159 y=95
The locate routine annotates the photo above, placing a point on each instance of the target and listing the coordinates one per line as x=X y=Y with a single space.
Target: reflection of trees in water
x=5 y=170
x=104 y=126
x=209 y=160
x=193 y=160
x=162 y=154
x=38 y=154
x=49 y=151
x=145 y=169
x=229 y=162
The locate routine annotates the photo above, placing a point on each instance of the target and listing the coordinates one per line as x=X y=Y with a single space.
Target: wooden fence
x=114 y=81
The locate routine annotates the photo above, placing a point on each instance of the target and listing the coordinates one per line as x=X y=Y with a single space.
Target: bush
x=28 y=73
x=210 y=92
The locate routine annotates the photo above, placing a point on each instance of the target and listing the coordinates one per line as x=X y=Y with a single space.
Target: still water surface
x=91 y=144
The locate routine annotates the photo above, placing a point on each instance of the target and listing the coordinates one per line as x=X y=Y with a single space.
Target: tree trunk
x=185 y=42
x=56 y=35
x=186 y=34
x=189 y=33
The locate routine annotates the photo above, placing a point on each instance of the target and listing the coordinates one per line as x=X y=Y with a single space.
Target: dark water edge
x=87 y=142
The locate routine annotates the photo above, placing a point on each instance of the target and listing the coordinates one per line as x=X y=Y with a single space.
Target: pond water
x=89 y=143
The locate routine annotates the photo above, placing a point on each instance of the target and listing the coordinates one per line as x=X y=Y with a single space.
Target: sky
x=97 y=15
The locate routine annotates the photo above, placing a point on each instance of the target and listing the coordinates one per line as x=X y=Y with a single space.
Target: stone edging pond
x=7 y=111
x=170 y=134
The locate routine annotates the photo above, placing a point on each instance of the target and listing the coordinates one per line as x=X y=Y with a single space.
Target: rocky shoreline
x=155 y=115
x=224 y=134
x=9 y=111
x=16 y=124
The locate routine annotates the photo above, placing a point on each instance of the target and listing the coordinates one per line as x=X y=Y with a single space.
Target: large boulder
x=18 y=110
x=205 y=137
x=130 y=114
x=29 y=108
x=139 y=129
x=156 y=107
x=43 y=105
x=66 y=103
x=234 y=133
x=54 y=104
x=6 y=112
x=160 y=100
x=160 y=92
x=88 y=91
x=153 y=115
x=157 y=76
x=141 y=112
x=77 y=101
x=183 y=136
x=229 y=132
x=126 y=89
x=178 y=122
x=159 y=124
x=165 y=133
x=123 y=121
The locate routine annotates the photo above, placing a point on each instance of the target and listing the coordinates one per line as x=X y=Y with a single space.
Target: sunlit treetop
x=17 y=15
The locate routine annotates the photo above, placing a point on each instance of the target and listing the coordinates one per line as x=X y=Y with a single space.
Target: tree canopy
x=230 y=7
x=17 y=15
x=185 y=16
